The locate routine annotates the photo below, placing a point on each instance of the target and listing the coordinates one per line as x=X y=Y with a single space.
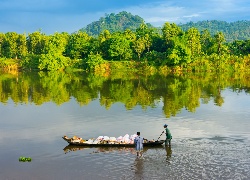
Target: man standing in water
x=138 y=144
x=168 y=135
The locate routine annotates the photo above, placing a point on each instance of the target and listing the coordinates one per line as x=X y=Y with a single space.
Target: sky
x=50 y=16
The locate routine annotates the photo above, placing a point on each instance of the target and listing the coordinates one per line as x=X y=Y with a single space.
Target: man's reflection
x=168 y=153
x=139 y=168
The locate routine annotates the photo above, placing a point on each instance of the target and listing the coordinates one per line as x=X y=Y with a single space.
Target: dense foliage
x=144 y=48
x=239 y=30
x=114 y=23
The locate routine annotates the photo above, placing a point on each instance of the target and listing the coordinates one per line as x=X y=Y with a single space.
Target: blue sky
x=24 y=16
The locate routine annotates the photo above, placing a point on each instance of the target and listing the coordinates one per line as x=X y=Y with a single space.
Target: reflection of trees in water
x=218 y=99
x=175 y=91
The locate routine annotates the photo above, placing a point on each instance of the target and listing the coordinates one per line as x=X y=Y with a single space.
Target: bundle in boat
x=105 y=140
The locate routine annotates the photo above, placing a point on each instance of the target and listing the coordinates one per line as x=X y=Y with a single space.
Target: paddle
x=160 y=136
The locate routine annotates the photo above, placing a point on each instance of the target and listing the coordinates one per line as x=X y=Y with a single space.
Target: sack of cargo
x=76 y=140
x=90 y=141
x=97 y=141
x=112 y=139
x=126 y=139
x=83 y=141
x=132 y=137
x=100 y=138
x=119 y=139
x=106 y=138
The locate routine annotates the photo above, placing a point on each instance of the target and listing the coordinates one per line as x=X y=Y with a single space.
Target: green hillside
x=114 y=22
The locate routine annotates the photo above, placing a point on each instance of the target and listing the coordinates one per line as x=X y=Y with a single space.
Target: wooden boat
x=107 y=144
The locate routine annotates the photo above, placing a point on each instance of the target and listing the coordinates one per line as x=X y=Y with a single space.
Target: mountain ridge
x=114 y=22
x=238 y=30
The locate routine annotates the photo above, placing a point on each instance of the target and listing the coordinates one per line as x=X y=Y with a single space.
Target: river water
x=210 y=141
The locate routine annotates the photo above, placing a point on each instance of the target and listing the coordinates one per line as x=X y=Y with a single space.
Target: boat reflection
x=71 y=148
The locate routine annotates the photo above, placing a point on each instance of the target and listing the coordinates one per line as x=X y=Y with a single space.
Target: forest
x=238 y=30
x=144 y=48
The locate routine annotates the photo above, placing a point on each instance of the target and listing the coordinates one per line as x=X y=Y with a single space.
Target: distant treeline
x=145 y=48
x=239 y=30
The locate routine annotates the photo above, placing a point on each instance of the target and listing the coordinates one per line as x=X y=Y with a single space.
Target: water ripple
x=198 y=159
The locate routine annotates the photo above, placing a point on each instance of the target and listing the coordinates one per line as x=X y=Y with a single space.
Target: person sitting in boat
x=168 y=135
x=138 y=144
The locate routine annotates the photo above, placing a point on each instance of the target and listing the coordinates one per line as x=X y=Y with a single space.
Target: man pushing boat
x=168 y=135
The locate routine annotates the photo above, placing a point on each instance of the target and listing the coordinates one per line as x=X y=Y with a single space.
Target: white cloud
x=191 y=16
x=158 y=13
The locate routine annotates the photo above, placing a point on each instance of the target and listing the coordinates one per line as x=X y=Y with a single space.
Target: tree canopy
x=114 y=23
x=141 y=47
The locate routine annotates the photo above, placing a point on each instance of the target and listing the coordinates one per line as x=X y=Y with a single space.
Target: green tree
x=146 y=33
x=142 y=30
x=53 y=59
x=2 y=37
x=119 y=47
x=94 y=46
x=104 y=42
x=179 y=53
x=219 y=40
x=78 y=45
x=105 y=35
x=9 y=46
x=129 y=35
x=158 y=44
x=193 y=41
x=171 y=30
x=94 y=60
x=57 y=43
x=53 y=62
x=139 y=46
x=240 y=47
x=22 y=46
x=36 y=42
x=206 y=42
x=147 y=41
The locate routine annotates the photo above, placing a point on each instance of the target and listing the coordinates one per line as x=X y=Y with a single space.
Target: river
x=208 y=116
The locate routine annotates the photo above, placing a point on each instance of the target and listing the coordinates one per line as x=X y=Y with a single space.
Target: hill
x=114 y=22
